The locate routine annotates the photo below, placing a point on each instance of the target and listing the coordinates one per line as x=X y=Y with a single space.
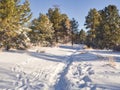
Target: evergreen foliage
x=56 y=27
x=74 y=31
x=104 y=27
x=42 y=30
x=82 y=36
x=13 y=16
x=92 y=22
x=61 y=25
x=65 y=32
x=56 y=18
x=109 y=28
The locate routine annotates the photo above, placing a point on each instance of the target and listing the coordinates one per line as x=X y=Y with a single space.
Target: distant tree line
x=55 y=27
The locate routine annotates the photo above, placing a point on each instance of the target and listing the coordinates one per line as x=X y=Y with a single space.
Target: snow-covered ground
x=60 y=68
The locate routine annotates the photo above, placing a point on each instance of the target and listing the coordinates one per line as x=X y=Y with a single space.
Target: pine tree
x=65 y=32
x=56 y=18
x=82 y=35
x=13 y=16
x=108 y=33
x=92 y=22
x=74 y=31
x=42 y=30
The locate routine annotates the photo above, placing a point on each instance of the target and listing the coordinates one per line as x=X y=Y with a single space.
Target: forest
x=19 y=30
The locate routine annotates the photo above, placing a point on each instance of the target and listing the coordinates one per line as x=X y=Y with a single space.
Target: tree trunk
x=7 y=47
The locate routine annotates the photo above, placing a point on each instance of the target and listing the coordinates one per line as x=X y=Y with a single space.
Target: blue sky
x=77 y=9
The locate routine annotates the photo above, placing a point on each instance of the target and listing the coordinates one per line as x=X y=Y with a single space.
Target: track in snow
x=62 y=84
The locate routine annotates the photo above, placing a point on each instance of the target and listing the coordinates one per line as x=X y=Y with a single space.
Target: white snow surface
x=60 y=68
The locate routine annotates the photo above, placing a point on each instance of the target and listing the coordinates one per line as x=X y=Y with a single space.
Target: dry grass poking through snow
x=40 y=51
x=111 y=61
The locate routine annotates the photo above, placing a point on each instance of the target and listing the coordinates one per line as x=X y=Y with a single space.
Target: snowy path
x=62 y=84
x=80 y=72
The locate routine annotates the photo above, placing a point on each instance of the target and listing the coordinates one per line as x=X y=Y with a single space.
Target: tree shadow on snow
x=95 y=55
x=5 y=74
x=107 y=54
x=88 y=57
x=68 y=47
x=106 y=87
x=41 y=55
x=16 y=51
x=48 y=57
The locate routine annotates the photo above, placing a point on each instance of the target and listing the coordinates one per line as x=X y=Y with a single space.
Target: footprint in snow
x=87 y=79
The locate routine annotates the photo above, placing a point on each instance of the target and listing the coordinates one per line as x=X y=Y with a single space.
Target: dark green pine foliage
x=91 y=23
x=13 y=16
x=55 y=17
x=42 y=30
x=74 y=31
x=82 y=36
x=59 y=20
x=65 y=29
x=108 y=33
